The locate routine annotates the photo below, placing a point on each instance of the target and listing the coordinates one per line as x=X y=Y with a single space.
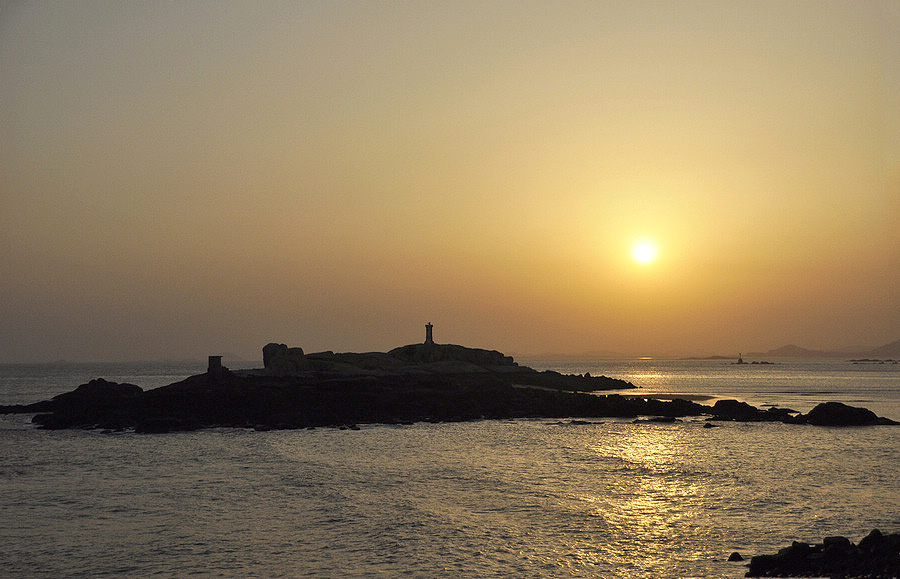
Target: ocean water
x=798 y=384
x=529 y=498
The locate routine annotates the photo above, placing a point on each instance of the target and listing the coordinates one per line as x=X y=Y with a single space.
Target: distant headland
x=891 y=350
x=417 y=382
x=887 y=353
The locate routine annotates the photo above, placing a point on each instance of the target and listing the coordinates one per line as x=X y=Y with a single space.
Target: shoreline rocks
x=876 y=556
x=839 y=414
x=733 y=410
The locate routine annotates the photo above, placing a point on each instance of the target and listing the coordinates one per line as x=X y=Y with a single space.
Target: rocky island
x=418 y=382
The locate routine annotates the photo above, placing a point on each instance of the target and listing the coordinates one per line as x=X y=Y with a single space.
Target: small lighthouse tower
x=429 y=341
x=215 y=370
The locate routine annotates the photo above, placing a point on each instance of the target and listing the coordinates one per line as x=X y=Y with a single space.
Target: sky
x=191 y=178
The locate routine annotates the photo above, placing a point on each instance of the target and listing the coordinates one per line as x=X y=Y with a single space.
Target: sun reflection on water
x=643 y=475
x=525 y=498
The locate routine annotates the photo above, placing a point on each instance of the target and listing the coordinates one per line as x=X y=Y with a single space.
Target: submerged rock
x=656 y=419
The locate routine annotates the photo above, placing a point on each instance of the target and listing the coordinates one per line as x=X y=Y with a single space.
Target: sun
x=644 y=252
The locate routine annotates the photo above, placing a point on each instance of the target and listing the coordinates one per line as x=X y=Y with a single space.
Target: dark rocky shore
x=418 y=382
x=876 y=556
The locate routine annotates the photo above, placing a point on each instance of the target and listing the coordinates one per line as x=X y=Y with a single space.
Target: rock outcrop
x=431 y=352
x=824 y=414
x=839 y=414
x=99 y=391
x=875 y=556
x=279 y=360
x=742 y=412
x=92 y=404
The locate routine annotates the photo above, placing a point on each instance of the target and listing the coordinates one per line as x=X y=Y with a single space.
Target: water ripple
x=486 y=499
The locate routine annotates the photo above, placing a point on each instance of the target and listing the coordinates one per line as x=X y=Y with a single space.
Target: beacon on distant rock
x=428 y=339
x=215 y=370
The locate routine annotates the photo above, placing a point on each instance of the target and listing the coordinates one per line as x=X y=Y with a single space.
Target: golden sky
x=188 y=178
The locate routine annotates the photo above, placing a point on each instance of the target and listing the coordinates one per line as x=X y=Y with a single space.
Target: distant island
x=888 y=353
x=417 y=382
x=891 y=350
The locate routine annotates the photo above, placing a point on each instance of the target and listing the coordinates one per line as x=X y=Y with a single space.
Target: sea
x=492 y=498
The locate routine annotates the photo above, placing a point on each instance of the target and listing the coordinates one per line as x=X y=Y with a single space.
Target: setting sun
x=644 y=252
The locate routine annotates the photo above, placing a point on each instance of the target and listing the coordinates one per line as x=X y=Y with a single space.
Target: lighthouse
x=429 y=341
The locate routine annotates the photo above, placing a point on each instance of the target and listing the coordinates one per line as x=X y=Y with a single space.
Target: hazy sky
x=189 y=178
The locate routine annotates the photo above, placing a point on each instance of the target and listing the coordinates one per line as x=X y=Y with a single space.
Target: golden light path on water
x=492 y=498
x=621 y=493
x=600 y=498
x=637 y=500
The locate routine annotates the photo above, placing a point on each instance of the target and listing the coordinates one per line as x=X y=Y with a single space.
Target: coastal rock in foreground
x=824 y=414
x=876 y=556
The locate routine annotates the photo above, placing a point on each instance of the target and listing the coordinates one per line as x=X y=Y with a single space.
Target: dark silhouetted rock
x=735 y=557
x=838 y=544
x=431 y=352
x=99 y=391
x=420 y=382
x=743 y=412
x=97 y=404
x=839 y=414
x=734 y=410
x=279 y=360
x=42 y=406
x=876 y=556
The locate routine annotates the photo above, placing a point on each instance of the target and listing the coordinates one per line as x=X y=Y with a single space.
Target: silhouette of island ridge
x=417 y=382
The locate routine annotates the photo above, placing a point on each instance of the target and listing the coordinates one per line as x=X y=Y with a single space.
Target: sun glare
x=644 y=252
